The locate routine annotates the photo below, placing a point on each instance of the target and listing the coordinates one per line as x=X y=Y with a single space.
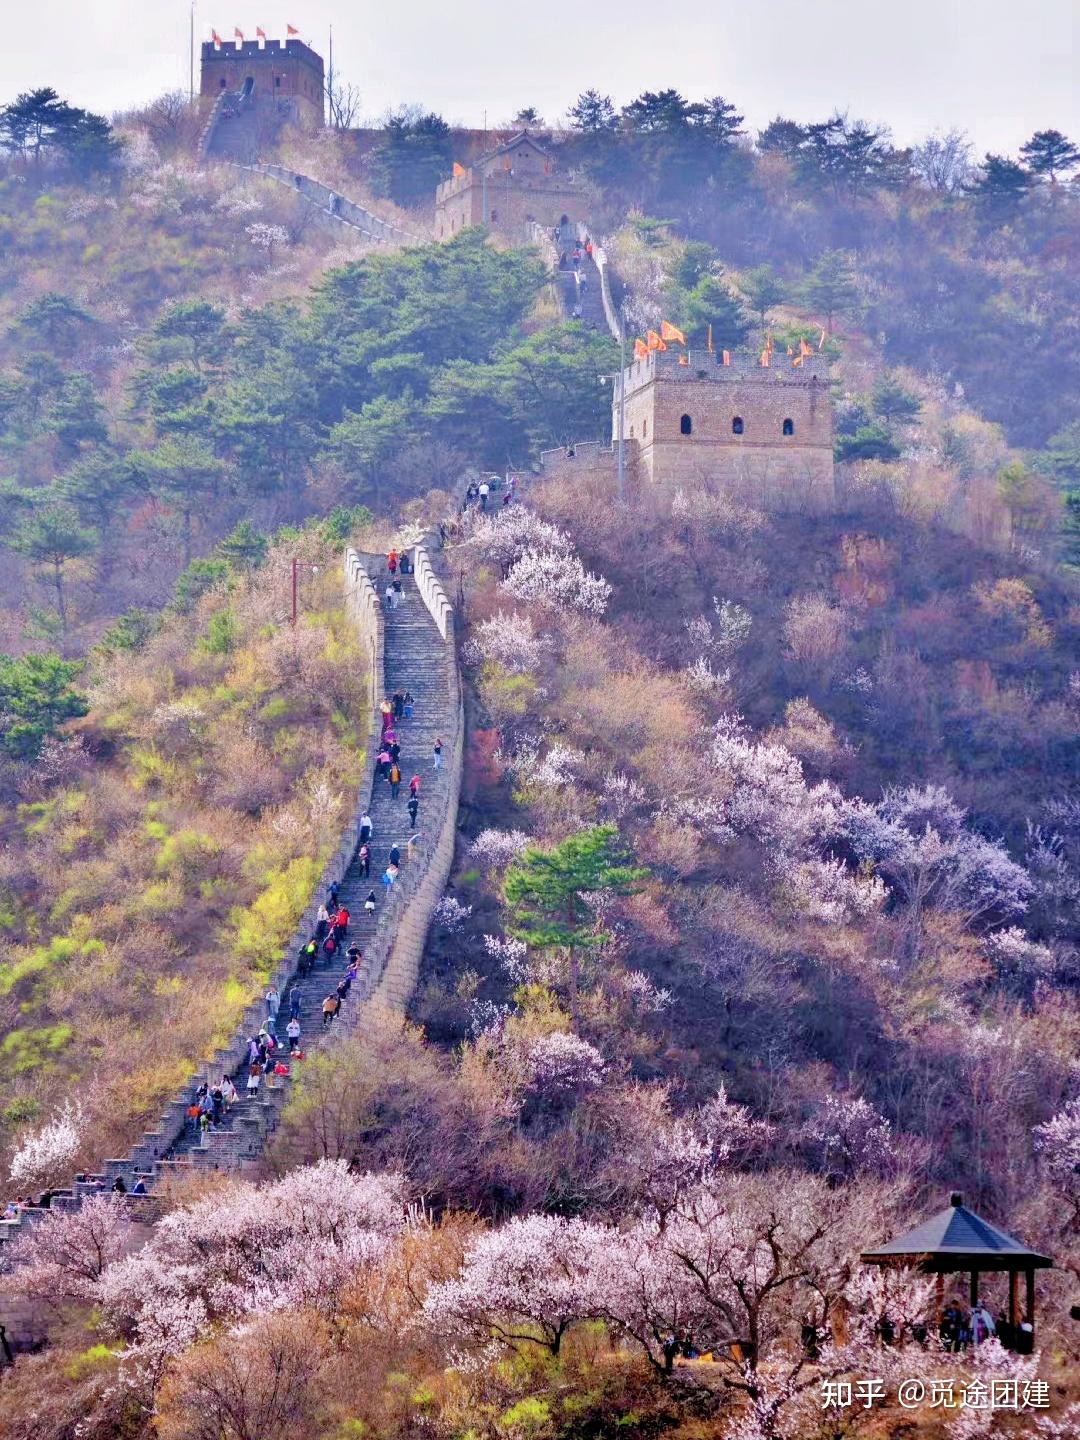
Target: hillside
x=762 y=932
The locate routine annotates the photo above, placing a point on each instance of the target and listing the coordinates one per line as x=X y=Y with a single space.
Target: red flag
x=459 y=170
x=725 y=356
x=669 y=332
x=655 y=342
x=238 y=32
x=641 y=350
x=216 y=38
x=260 y=33
x=291 y=30
x=765 y=357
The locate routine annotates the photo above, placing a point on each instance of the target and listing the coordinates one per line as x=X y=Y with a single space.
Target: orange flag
x=238 y=32
x=641 y=350
x=260 y=33
x=765 y=357
x=655 y=342
x=291 y=30
x=684 y=359
x=797 y=361
x=669 y=332
x=769 y=346
x=458 y=169
x=725 y=356
x=216 y=38
x=804 y=348
x=790 y=350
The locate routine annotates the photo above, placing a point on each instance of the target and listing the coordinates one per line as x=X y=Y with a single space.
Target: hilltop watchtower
x=766 y=431
x=511 y=185
x=280 y=78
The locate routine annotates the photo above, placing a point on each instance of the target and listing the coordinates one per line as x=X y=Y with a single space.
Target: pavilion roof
x=958 y=1235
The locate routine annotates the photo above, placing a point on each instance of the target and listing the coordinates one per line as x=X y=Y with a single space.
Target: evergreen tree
x=893 y=402
x=185 y=473
x=416 y=154
x=593 y=114
x=50 y=537
x=36 y=696
x=77 y=415
x=763 y=290
x=244 y=548
x=1000 y=187
x=1049 y=154
x=830 y=287
x=545 y=893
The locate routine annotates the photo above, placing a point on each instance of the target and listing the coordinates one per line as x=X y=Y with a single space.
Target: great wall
x=412 y=646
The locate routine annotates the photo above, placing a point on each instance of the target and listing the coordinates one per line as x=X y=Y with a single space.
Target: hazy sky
x=999 y=69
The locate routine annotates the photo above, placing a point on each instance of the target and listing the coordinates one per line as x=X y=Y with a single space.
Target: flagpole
x=330 y=79
x=191 y=82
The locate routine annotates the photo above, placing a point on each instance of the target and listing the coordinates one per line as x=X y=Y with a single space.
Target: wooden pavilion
x=958 y=1240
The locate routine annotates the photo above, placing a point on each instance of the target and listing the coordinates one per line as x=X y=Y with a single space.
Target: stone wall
x=337 y=209
x=398 y=980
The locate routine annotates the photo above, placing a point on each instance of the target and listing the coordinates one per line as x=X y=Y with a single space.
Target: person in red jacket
x=392 y=562
x=341 y=924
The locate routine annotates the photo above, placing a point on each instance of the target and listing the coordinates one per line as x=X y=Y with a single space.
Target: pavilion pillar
x=939 y=1296
x=1014 y=1299
x=1029 y=1307
x=974 y=1292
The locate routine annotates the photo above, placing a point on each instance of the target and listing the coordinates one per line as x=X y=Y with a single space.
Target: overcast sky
x=999 y=69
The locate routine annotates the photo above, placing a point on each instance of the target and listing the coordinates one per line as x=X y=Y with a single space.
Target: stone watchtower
x=766 y=432
x=283 y=79
x=505 y=189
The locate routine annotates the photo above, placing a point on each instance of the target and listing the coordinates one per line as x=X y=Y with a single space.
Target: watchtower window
x=737 y=425
x=644 y=429
x=788 y=427
x=686 y=426
x=221 y=82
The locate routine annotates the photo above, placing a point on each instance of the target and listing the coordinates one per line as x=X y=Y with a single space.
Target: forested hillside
x=763 y=928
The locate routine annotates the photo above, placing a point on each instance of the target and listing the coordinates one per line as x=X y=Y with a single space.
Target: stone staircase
x=412 y=648
x=590 y=300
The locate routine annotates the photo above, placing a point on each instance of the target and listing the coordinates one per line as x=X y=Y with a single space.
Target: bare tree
x=343 y=102
x=943 y=161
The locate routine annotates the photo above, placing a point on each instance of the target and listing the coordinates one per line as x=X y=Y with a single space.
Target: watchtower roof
x=958 y=1239
x=742 y=367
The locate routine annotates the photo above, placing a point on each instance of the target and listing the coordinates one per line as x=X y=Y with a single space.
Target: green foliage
x=893 y=402
x=830 y=288
x=872 y=441
x=763 y=290
x=267 y=924
x=128 y=634
x=36 y=696
x=416 y=154
x=544 y=888
x=342 y=523
x=244 y=548
x=22 y=1051
x=50 y=536
x=221 y=633
x=38 y=126
x=200 y=577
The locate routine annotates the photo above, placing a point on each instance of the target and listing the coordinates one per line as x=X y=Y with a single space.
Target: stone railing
x=334 y=205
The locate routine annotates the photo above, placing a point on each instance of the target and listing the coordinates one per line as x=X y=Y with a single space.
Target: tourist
x=484 y=491
x=292 y=1031
x=228 y=1092
x=395 y=780
x=395 y=856
x=408 y=704
x=369 y=903
x=413 y=807
x=273 y=1003
x=414 y=787
x=383 y=763
x=365 y=828
x=363 y=855
x=294 y=1004
x=392 y=562
x=138 y=1188
x=398 y=702
x=390 y=874
x=388 y=596
x=437 y=753
x=254 y=1079
x=341 y=924
x=322 y=923
x=395 y=753
x=397 y=588
x=330 y=1007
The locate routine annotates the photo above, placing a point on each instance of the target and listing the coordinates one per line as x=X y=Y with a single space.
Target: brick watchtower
x=766 y=431
x=285 y=79
x=506 y=189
